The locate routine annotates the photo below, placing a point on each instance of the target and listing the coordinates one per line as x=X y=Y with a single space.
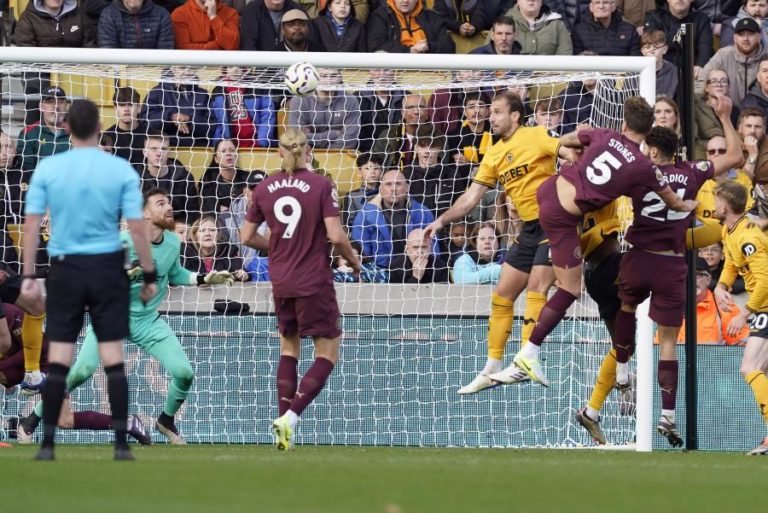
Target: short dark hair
x=365 y=158
x=734 y=194
x=83 y=119
x=125 y=95
x=478 y=96
x=638 y=115
x=663 y=139
x=154 y=191
x=505 y=20
x=548 y=105
x=427 y=135
x=514 y=102
x=653 y=37
x=751 y=112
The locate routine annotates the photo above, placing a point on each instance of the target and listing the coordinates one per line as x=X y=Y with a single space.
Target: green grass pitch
x=256 y=479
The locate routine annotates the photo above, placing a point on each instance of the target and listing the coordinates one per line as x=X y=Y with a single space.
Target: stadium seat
x=467 y=44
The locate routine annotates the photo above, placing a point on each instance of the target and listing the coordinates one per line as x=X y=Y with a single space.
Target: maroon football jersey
x=295 y=208
x=657 y=228
x=611 y=166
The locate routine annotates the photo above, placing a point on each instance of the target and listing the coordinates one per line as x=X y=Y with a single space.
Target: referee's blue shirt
x=86 y=191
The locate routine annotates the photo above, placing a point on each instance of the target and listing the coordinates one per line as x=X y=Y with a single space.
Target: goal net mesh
x=407 y=347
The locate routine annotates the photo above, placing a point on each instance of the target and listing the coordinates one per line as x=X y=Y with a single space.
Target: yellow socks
x=499 y=325
x=606 y=378
x=32 y=337
x=759 y=383
x=534 y=302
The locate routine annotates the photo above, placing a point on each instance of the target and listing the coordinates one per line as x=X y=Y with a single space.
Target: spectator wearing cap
x=129 y=132
x=712 y=322
x=294 y=32
x=740 y=60
x=206 y=25
x=338 y=29
x=48 y=136
x=260 y=23
x=540 y=31
x=757 y=9
x=135 y=24
x=407 y=26
x=503 y=39
x=604 y=32
x=669 y=17
x=60 y=23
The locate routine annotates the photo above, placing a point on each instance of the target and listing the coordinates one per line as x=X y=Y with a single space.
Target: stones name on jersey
x=286 y=183
x=625 y=152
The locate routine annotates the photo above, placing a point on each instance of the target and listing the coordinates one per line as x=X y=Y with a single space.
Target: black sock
x=165 y=420
x=117 y=387
x=30 y=422
x=53 y=395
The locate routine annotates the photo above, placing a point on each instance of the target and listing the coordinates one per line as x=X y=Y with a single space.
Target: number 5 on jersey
x=291 y=218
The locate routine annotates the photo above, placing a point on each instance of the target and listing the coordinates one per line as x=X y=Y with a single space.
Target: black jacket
x=226 y=258
x=181 y=187
x=662 y=19
x=437 y=187
x=376 y=119
x=257 y=31
x=129 y=145
x=477 y=12
x=218 y=193
x=354 y=38
x=619 y=38
x=384 y=32
x=149 y=28
x=401 y=270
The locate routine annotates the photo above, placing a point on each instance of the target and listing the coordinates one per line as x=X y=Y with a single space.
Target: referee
x=86 y=191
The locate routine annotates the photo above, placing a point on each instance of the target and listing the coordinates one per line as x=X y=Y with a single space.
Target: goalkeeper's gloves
x=133 y=272
x=213 y=278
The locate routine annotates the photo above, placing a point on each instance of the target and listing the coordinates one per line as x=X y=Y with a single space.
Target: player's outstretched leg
x=32 y=338
x=753 y=366
x=667 y=377
x=164 y=346
x=589 y=416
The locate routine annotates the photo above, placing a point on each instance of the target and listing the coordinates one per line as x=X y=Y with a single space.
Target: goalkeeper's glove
x=133 y=272
x=214 y=278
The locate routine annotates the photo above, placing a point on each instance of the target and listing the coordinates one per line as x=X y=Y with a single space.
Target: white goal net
x=207 y=132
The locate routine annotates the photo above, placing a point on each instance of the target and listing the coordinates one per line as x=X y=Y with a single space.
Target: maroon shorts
x=561 y=227
x=12 y=367
x=660 y=276
x=310 y=316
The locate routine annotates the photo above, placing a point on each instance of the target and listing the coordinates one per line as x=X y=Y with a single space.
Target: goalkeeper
x=148 y=330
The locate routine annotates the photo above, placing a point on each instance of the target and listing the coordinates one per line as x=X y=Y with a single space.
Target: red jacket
x=193 y=30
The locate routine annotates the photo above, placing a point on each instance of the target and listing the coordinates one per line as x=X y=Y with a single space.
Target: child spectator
x=654 y=44
x=338 y=29
x=457 y=242
x=209 y=250
x=206 y=25
x=241 y=114
x=549 y=113
x=369 y=169
x=129 y=132
x=479 y=265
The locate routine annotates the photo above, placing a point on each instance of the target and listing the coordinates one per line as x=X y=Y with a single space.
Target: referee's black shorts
x=98 y=282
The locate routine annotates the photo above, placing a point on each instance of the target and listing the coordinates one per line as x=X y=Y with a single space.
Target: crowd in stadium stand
x=415 y=153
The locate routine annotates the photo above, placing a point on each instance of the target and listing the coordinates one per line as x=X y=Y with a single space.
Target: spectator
x=521 y=90
x=295 y=34
x=666 y=113
x=604 y=32
x=330 y=118
x=540 y=31
x=654 y=44
x=407 y=26
x=715 y=259
x=210 y=251
x=706 y=195
x=338 y=29
x=757 y=9
x=435 y=182
x=223 y=180
x=15 y=183
x=241 y=114
x=180 y=110
x=718 y=12
x=465 y=17
x=48 y=137
x=757 y=93
x=107 y=143
x=314 y=8
x=397 y=143
x=480 y=264
x=740 y=60
x=129 y=132
x=469 y=143
x=135 y=24
x=503 y=39
x=634 y=11
x=206 y=25
x=60 y=23
x=751 y=128
x=234 y=218
x=577 y=104
x=711 y=321
x=384 y=222
x=260 y=23
x=549 y=114
x=369 y=271
x=369 y=170
x=158 y=170
x=380 y=107
x=706 y=122
x=457 y=242
x=418 y=264
x=446 y=105
x=669 y=17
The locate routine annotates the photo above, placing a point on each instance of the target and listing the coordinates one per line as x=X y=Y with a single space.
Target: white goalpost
x=407 y=347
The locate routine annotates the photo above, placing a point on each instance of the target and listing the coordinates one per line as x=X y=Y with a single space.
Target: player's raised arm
x=338 y=237
x=459 y=209
x=675 y=202
x=141 y=246
x=733 y=156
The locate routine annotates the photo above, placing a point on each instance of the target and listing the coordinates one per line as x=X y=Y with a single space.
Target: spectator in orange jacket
x=206 y=25
x=712 y=322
